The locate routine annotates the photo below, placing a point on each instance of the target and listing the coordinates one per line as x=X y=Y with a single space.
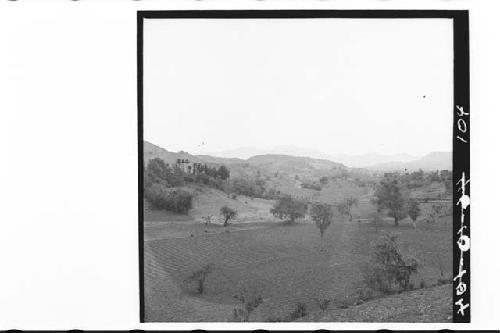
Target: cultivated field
x=285 y=264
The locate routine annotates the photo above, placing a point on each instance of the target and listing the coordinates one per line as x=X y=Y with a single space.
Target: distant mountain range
x=373 y=161
x=292 y=159
x=432 y=161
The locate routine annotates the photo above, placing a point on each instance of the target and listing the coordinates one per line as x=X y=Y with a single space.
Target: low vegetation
x=173 y=200
x=390 y=270
x=345 y=207
x=199 y=276
x=414 y=211
x=249 y=301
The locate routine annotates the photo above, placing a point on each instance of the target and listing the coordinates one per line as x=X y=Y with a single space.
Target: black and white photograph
x=250 y=165
x=297 y=169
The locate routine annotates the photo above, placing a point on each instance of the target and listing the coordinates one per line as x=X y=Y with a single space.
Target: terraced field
x=282 y=263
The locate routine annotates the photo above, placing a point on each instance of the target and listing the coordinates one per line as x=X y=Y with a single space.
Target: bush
x=389 y=270
x=323 y=303
x=157 y=171
x=202 y=178
x=299 y=311
x=199 y=277
x=323 y=180
x=177 y=201
x=345 y=207
x=249 y=302
x=311 y=186
x=247 y=186
x=414 y=211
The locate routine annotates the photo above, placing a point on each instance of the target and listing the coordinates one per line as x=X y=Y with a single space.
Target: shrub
x=323 y=303
x=177 y=201
x=413 y=211
x=363 y=294
x=207 y=219
x=247 y=186
x=389 y=270
x=157 y=171
x=199 y=277
x=299 y=311
x=202 y=178
x=249 y=302
x=287 y=208
x=311 y=186
x=345 y=207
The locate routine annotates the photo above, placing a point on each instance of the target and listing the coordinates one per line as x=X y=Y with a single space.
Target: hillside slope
x=430 y=305
x=208 y=201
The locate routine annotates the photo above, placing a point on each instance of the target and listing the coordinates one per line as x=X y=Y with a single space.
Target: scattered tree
x=345 y=207
x=323 y=180
x=322 y=215
x=413 y=211
x=223 y=172
x=228 y=214
x=289 y=209
x=388 y=196
x=200 y=276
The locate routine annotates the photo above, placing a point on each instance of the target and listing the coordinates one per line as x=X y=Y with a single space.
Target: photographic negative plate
x=304 y=165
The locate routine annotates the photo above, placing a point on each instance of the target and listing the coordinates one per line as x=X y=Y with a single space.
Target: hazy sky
x=335 y=85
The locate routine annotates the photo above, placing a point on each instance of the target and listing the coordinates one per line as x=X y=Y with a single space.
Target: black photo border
x=461 y=123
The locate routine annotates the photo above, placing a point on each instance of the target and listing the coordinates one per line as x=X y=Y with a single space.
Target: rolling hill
x=265 y=164
x=429 y=162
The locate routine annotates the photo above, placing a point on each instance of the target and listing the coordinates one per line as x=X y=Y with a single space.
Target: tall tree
x=388 y=196
x=223 y=172
x=322 y=215
x=289 y=209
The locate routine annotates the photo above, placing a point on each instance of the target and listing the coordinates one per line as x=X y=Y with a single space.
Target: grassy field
x=282 y=263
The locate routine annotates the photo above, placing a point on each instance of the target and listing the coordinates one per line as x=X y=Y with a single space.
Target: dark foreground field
x=285 y=266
